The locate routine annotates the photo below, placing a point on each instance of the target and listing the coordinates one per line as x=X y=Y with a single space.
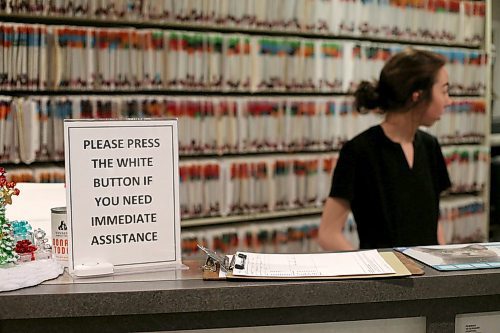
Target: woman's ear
x=415 y=97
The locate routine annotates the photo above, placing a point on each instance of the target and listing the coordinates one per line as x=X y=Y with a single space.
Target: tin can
x=59 y=235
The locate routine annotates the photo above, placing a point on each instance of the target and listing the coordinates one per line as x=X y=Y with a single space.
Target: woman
x=391 y=175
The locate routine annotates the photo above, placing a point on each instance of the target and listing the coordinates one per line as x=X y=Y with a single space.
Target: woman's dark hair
x=405 y=73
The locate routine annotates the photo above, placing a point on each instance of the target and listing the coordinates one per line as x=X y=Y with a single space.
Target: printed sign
x=122 y=192
x=484 y=322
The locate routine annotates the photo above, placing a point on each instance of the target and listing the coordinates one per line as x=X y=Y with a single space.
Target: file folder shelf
x=250 y=85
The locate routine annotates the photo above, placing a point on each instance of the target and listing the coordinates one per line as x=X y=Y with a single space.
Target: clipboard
x=402 y=265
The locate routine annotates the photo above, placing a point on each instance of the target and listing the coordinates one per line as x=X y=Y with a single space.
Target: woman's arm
x=331 y=237
x=440 y=235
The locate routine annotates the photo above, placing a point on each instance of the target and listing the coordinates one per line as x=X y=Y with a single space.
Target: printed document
x=311 y=265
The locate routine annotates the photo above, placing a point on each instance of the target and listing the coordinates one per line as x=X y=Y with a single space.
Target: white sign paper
x=122 y=192
x=485 y=322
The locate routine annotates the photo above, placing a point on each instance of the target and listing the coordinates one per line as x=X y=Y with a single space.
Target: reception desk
x=181 y=300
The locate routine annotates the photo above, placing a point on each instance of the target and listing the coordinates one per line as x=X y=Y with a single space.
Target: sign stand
x=122 y=189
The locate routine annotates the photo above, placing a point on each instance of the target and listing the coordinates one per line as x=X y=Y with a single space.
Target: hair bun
x=366 y=97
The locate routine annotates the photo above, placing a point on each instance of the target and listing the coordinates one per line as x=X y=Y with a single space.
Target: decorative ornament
x=7 y=247
x=44 y=250
x=26 y=250
x=22 y=230
x=25 y=246
x=41 y=241
x=7 y=189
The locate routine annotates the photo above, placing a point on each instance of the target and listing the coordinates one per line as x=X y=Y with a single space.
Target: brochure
x=456 y=257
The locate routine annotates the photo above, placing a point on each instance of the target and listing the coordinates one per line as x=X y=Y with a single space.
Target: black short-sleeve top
x=392 y=204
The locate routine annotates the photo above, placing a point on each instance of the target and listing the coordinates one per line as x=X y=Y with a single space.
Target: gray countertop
x=181 y=300
x=187 y=292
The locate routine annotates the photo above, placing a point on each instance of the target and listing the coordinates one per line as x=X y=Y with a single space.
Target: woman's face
x=439 y=99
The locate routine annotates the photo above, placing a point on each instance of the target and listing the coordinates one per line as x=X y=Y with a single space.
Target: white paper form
x=308 y=265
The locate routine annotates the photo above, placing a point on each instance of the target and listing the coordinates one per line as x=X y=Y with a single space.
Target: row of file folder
x=235 y=186
x=238 y=186
x=464 y=121
x=45 y=173
x=445 y=21
x=467 y=167
x=80 y=58
x=32 y=127
x=463 y=220
x=244 y=185
x=296 y=235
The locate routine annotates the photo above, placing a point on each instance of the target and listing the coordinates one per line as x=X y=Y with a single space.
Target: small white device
x=93 y=269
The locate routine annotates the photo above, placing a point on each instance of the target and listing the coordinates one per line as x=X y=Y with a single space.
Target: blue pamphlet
x=456 y=257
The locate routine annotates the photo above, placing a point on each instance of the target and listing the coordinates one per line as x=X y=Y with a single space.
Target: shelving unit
x=62 y=20
x=256 y=34
x=204 y=221
x=495 y=140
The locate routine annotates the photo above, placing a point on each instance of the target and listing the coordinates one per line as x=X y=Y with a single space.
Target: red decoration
x=25 y=246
